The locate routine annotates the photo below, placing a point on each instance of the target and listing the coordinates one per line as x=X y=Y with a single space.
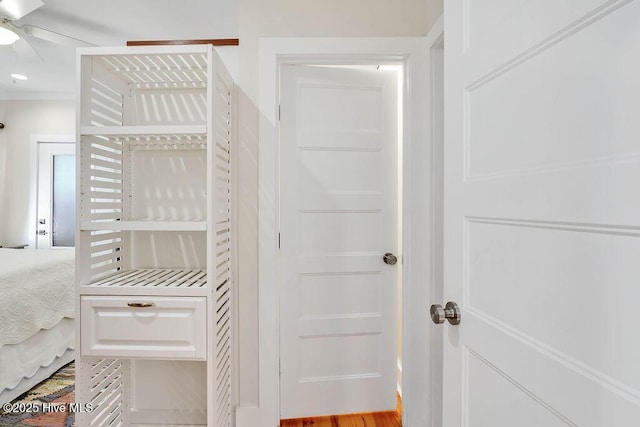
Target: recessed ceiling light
x=7 y=36
x=19 y=76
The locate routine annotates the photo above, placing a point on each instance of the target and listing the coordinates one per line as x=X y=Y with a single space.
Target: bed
x=36 y=317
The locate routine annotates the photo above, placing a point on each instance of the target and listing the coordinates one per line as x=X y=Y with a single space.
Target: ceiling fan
x=11 y=31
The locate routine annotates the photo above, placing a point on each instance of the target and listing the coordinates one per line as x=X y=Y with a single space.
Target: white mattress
x=36 y=290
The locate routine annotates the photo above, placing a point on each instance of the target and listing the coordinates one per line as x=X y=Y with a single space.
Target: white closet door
x=338 y=217
x=541 y=213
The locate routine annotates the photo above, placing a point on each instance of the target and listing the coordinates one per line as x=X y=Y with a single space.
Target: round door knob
x=450 y=312
x=437 y=314
x=390 y=258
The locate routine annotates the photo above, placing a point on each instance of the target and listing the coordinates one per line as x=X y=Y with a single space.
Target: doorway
x=55 y=205
x=340 y=234
x=413 y=54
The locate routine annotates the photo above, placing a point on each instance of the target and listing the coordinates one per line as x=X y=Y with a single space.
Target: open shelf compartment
x=144 y=86
x=143 y=181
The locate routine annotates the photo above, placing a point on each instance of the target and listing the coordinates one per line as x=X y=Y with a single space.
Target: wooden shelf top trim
x=215 y=42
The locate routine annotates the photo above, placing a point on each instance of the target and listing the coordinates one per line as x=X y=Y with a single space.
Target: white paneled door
x=338 y=218
x=542 y=215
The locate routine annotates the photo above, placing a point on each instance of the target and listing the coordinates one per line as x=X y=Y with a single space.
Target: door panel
x=581 y=96
x=508 y=404
x=342 y=171
x=498 y=35
x=338 y=216
x=541 y=224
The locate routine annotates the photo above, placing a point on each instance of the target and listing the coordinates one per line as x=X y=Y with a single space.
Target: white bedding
x=25 y=364
x=36 y=291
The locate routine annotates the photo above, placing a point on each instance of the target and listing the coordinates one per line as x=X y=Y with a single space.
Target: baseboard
x=168 y=417
x=249 y=416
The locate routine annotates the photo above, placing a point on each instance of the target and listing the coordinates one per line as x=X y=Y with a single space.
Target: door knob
x=390 y=258
x=42 y=232
x=451 y=312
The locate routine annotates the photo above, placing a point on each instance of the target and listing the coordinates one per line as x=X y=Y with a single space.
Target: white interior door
x=541 y=213
x=56 y=195
x=338 y=217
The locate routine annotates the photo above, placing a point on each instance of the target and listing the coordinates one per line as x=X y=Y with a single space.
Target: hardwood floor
x=369 y=419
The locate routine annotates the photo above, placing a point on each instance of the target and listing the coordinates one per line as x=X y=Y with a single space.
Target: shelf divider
x=131 y=131
x=142 y=225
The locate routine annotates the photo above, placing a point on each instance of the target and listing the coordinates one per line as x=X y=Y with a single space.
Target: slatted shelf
x=156 y=278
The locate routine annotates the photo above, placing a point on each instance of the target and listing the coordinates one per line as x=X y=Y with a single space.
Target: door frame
x=36 y=139
x=418 y=339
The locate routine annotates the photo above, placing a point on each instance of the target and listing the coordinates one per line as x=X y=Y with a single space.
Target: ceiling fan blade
x=52 y=36
x=33 y=48
x=11 y=26
x=16 y=9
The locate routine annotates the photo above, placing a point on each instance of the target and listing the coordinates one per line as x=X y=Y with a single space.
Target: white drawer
x=162 y=327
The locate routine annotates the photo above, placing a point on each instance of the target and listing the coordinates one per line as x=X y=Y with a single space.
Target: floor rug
x=46 y=404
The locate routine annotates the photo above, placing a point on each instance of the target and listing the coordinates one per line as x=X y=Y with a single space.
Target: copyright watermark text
x=46 y=407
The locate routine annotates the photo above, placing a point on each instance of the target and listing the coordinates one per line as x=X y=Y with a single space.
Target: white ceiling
x=104 y=23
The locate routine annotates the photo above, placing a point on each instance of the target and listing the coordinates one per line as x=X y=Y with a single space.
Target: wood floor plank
x=377 y=419
x=369 y=419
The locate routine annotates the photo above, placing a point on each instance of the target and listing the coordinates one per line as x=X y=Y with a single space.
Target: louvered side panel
x=103 y=392
x=106 y=253
x=222 y=278
x=105 y=101
x=101 y=181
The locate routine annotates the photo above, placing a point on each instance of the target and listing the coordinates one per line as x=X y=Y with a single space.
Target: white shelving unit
x=155 y=236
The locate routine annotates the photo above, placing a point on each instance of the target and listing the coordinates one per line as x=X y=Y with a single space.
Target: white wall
x=284 y=18
x=23 y=119
x=328 y=18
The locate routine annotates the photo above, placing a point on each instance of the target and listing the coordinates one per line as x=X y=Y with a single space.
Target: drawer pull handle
x=141 y=304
